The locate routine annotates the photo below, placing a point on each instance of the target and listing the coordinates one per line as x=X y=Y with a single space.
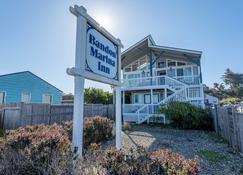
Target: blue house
x=28 y=88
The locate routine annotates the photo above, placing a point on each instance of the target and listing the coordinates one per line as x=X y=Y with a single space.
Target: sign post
x=98 y=58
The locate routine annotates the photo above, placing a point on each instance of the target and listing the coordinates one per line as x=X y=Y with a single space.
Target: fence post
x=236 y=141
x=216 y=118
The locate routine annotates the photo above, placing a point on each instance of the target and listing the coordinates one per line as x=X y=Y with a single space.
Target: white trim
x=143 y=94
x=81 y=11
x=134 y=62
x=149 y=38
x=4 y=97
x=176 y=49
x=144 y=87
x=29 y=100
x=47 y=94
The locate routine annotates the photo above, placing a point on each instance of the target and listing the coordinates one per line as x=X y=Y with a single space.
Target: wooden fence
x=229 y=124
x=19 y=114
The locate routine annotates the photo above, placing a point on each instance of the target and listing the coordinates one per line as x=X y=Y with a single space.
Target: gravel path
x=187 y=143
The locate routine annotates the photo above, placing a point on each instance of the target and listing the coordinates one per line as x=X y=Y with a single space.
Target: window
x=147 y=99
x=2 y=97
x=161 y=64
x=135 y=66
x=26 y=97
x=143 y=61
x=46 y=98
x=131 y=76
x=194 y=92
x=188 y=71
x=180 y=72
x=181 y=64
x=136 y=98
x=128 y=69
x=171 y=63
x=171 y=72
x=195 y=70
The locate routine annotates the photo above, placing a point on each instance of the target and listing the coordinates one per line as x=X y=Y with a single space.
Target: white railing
x=131 y=108
x=190 y=80
x=150 y=109
x=154 y=81
x=182 y=92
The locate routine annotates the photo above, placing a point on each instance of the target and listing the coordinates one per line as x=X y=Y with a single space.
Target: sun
x=105 y=21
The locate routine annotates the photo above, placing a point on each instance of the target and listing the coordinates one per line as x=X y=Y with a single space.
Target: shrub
x=143 y=162
x=231 y=100
x=187 y=116
x=2 y=134
x=175 y=163
x=96 y=129
x=46 y=149
x=36 y=150
x=127 y=126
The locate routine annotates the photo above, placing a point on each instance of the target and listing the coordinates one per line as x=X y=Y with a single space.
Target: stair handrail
x=184 y=87
x=177 y=80
x=161 y=102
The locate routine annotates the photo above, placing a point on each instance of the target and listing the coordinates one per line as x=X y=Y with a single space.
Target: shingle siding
x=26 y=82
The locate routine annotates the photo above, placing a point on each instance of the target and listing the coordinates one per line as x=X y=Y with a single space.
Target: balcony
x=163 y=80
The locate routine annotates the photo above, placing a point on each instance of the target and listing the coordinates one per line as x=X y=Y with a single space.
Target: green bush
x=231 y=100
x=184 y=115
x=2 y=133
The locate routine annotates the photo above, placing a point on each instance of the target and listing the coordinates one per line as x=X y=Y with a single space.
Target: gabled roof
x=24 y=72
x=147 y=44
x=147 y=39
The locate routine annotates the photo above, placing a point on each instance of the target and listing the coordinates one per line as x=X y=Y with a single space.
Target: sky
x=39 y=36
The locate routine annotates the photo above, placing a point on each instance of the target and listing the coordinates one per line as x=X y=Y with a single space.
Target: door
x=147 y=99
x=156 y=98
x=162 y=79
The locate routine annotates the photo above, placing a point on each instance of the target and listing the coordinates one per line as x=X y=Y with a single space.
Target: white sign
x=101 y=54
x=98 y=57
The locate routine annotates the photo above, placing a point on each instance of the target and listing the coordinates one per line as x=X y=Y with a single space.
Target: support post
x=78 y=109
x=123 y=101
x=165 y=93
x=118 y=118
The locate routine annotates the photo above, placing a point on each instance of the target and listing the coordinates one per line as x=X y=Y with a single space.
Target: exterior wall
x=26 y=82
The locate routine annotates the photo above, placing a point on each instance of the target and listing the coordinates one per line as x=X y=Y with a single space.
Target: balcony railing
x=153 y=81
x=190 y=80
x=162 y=80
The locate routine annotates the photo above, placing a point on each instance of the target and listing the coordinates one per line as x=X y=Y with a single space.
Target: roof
x=142 y=47
x=23 y=72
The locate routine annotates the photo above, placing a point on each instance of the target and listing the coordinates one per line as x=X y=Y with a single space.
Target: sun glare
x=105 y=21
